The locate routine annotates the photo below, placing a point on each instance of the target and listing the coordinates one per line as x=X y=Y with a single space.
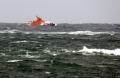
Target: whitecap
x=10 y=31
x=91 y=33
x=2 y=54
x=47 y=72
x=29 y=56
x=14 y=60
x=105 y=51
x=41 y=60
x=19 y=41
x=24 y=41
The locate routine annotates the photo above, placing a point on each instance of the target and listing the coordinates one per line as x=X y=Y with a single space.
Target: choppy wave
x=71 y=33
x=84 y=51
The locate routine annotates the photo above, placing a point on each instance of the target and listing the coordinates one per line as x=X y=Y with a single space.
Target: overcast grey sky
x=60 y=11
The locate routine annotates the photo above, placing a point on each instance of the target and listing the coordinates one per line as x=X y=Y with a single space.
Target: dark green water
x=31 y=55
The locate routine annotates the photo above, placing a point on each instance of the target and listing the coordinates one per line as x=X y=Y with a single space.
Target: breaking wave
x=86 y=51
x=70 y=33
x=104 y=51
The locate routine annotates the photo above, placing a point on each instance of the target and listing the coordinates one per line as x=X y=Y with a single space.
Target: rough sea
x=63 y=51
